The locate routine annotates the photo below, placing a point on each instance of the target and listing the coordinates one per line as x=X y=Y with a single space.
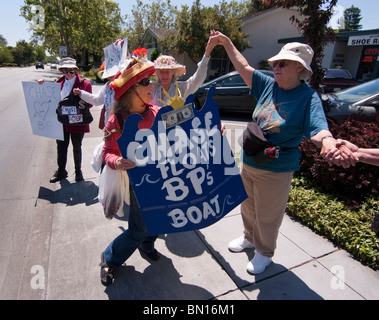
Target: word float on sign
x=186 y=176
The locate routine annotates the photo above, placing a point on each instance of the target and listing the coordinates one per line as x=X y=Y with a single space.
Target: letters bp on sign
x=186 y=176
x=41 y=102
x=366 y=40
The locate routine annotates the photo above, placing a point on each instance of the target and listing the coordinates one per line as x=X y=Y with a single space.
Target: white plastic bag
x=113 y=191
x=97 y=159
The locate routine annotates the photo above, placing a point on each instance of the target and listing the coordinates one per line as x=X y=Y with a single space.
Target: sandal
x=106 y=272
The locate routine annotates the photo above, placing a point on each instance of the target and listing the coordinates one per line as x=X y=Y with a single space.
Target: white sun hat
x=296 y=51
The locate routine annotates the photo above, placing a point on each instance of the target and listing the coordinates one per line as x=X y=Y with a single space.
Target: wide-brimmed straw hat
x=138 y=68
x=67 y=63
x=296 y=51
x=169 y=62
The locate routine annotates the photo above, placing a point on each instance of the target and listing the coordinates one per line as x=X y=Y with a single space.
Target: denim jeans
x=121 y=248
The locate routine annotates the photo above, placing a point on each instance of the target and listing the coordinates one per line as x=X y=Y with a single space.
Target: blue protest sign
x=186 y=176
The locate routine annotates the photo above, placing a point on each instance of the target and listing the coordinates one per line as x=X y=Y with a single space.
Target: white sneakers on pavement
x=258 y=264
x=240 y=244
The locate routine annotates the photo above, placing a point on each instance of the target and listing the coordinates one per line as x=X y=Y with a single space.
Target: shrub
x=328 y=216
x=354 y=183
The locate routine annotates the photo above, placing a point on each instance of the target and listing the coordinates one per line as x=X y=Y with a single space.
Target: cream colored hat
x=67 y=63
x=296 y=51
x=168 y=62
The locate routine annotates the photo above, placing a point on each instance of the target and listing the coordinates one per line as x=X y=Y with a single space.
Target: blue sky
x=14 y=28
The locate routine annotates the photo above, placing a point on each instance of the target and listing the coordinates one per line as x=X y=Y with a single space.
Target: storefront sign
x=186 y=176
x=366 y=40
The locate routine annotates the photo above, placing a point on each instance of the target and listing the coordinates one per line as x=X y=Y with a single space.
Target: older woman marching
x=287 y=110
x=133 y=93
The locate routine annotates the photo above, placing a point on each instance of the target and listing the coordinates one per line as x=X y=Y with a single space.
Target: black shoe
x=106 y=272
x=79 y=176
x=58 y=176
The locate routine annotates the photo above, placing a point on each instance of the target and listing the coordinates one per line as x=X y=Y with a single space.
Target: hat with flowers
x=169 y=62
x=137 y=68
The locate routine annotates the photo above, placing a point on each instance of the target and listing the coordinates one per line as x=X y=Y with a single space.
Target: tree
x=156 y=14
x=5 y=55
x=352 y=17
x=83 y=26
x=3 y=41
x=193 y=26
x=23 y=53
x=314 y=29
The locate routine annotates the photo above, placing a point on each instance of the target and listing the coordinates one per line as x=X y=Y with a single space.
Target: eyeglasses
x=281 y=64
x=68 y=71
x=144 y=82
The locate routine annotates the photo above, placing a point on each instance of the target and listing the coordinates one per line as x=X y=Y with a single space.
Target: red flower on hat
x=140 y=52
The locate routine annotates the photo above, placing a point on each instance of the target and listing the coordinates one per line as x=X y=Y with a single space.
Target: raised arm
x=238 y=60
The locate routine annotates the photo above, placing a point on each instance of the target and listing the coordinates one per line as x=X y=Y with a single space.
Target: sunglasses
x=281 y=64
x=144 y=82
x=68 y=71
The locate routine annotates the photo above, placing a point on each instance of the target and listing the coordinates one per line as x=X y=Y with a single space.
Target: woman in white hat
x=70 y=80
x=168 y=71
x=287 y=110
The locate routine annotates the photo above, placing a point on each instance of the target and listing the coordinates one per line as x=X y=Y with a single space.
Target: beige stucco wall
x=264 y=32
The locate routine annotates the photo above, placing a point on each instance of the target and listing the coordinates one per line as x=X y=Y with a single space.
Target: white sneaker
x=258 y=264
x=240 y=244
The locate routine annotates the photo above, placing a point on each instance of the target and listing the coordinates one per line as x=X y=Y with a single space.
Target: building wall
x=264 y=32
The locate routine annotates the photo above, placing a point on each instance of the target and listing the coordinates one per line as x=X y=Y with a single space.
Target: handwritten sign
x=115 y=54
x=41 y=102
x=186 y=176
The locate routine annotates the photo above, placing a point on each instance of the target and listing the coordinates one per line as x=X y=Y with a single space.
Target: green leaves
x=81 y=25
x=333 y=218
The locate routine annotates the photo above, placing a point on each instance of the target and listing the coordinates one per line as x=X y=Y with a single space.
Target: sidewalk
x=193 y=265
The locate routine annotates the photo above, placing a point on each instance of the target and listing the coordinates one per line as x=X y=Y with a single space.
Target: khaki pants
x=263 y=210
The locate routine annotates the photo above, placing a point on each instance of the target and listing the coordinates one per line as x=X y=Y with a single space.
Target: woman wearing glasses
x=287 y=110
x=133 y=94
x=70 y=80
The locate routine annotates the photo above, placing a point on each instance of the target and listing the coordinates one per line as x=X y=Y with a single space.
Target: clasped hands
x=343 y=154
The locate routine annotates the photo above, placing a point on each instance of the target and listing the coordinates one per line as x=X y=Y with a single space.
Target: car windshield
x=360 y=92
x=337 y=73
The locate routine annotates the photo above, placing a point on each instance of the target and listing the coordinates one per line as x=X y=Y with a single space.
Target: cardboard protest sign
x=186 y=176
x=115 y=54
x=41 y=102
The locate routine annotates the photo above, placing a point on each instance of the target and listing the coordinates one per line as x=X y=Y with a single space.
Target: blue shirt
x=285 y=116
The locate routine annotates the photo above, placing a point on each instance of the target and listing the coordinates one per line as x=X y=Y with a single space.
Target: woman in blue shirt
x=287 y=110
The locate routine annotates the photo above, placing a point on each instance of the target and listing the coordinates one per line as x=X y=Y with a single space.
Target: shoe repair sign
x=186 y=176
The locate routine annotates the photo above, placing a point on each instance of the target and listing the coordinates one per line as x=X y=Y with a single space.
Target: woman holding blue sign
x=133 y=93
x=287 y=110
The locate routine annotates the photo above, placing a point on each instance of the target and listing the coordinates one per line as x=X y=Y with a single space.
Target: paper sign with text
x=41 y=102
x=115 y=55
x=186 y=176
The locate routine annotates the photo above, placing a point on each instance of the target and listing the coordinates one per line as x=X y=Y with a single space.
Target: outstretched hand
x=343 y=154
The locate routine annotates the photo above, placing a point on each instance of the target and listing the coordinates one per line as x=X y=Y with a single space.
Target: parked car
x=362 y=99
x=337 y=79
x=39 y=65
x=232 y=93
x=53 y=66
